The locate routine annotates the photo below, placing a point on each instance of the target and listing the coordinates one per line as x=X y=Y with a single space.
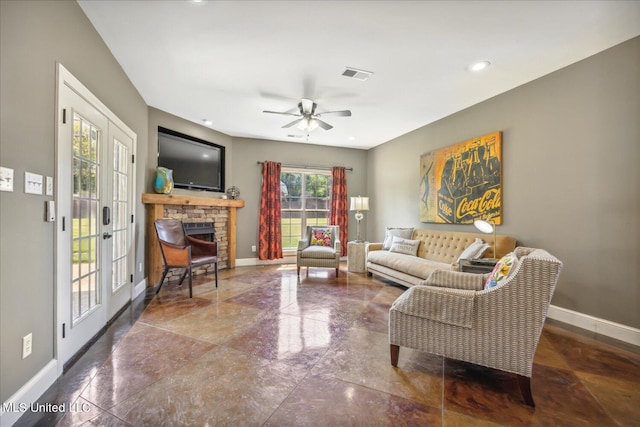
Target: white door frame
x=66 y=79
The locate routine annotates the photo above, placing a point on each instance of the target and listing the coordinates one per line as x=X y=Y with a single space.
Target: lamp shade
x=359 y=204
x=483 y=226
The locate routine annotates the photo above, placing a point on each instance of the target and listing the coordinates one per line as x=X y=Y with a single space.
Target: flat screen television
x=196 y=164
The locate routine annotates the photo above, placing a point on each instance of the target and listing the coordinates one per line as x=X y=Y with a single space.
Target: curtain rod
x=308 y=166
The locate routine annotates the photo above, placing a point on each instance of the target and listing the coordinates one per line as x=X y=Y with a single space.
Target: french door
x=94 y=255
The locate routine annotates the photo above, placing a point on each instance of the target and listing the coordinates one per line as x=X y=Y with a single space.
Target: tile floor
x=267 y=349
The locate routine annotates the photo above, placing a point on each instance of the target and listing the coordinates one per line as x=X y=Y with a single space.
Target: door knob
x=106 y=235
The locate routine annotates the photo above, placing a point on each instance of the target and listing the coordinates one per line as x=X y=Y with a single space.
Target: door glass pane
x=120 y=207
x=85 y=283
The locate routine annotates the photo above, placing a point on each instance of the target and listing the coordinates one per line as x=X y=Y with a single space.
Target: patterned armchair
x=319 y=248
x=450 y=314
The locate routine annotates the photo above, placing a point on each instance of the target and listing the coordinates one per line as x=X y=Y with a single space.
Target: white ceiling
x=227 y=61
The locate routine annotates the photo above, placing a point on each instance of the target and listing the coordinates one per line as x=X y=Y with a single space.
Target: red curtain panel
x=339 y=208
x=270 y=232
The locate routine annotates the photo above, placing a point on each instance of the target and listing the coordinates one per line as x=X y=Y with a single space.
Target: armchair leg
x=216 y=273
x=298 y=271
x=524 y=383
x=395 y=354
x=164 y=274
x=190 y=283
x=183 y=276
x=337 y=270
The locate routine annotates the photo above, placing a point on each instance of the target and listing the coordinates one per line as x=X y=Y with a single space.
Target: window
x=306 y=200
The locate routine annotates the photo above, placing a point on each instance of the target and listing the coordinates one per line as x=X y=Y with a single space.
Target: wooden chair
x=182 y=251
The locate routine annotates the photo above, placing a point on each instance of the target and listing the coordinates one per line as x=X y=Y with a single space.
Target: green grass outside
x=291 y=230
x=84 y=250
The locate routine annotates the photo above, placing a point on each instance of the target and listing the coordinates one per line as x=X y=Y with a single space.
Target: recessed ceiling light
x=207 y=122
x=479 y=66
x=351 y=138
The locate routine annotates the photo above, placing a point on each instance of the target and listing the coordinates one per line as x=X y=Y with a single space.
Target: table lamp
x=487 y=227
x=359 y=204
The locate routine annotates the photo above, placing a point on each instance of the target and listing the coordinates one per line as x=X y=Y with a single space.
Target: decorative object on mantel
x=359 y=204
x=163 y=184
x=462 y=182
x=233 y=192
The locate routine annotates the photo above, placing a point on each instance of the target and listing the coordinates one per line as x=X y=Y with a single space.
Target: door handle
x=106 y=215
x=106 y=235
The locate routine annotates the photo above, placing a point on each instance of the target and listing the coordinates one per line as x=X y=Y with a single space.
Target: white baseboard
x=139 y=288
x=594 y=324
x=29 y=393
x=288 y=259
x=245 y=262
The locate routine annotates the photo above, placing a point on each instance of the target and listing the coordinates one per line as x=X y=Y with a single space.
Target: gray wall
x=34 y=35
x=248 y=178
x=571 y=181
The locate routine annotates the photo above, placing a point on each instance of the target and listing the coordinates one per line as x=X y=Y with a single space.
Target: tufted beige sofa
x=439 y=250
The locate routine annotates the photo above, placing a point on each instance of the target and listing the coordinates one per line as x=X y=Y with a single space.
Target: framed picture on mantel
x=463 y=182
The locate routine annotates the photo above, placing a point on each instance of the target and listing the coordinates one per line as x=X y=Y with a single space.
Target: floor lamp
x=359 y=204
x=487 y=227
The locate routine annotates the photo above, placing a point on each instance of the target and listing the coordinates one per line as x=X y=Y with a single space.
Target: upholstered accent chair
x=319 y=248
x=451 y=314
x=182 y=251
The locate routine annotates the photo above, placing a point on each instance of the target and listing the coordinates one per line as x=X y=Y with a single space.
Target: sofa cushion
x=321 y=236
x=474 y=250
x=404 y=246
x=503 y=269
x=405 y=233
x=414 y=266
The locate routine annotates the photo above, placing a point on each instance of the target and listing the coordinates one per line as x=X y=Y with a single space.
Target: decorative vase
x=163 y=183
x=233 y=192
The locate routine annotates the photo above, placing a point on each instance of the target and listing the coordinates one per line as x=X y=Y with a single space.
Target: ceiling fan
x=308 y=118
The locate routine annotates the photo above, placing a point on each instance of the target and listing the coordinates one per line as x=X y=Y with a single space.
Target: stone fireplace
x=202 y=213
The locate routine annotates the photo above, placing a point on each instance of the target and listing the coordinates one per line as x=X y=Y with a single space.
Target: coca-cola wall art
x=463 y=182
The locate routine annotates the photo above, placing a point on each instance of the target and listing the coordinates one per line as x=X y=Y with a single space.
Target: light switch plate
x=6 y=179
x=49 y=188
x=32 y=183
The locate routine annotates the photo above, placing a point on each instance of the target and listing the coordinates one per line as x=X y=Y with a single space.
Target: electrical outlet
x=253 y=248
x=27 y=345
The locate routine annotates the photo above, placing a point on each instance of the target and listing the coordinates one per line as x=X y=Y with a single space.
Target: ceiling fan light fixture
x=308 y=124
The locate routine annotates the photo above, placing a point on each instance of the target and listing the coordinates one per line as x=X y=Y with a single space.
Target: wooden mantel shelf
x=181 y=199
x=155 y=210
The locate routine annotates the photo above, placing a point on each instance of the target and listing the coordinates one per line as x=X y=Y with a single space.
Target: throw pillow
x=404 y=246
x=503 y=269
x=321 y=236
x=474 y=250
x=405 y=233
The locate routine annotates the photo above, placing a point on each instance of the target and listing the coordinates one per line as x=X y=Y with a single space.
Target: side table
x=466 y=266
x=356 y=257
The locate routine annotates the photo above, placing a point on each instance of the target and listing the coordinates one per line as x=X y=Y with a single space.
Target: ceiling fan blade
x=324 y=125
x=293 y=123
x=342 y=113
x=280 y=112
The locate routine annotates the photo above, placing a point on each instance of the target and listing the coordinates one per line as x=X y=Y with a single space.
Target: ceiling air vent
x=354 y=73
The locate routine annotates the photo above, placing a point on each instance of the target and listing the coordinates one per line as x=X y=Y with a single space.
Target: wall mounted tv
x=197 y=164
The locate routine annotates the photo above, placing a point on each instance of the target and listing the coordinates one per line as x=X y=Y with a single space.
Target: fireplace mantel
x=156 y=210
x=181 y=199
